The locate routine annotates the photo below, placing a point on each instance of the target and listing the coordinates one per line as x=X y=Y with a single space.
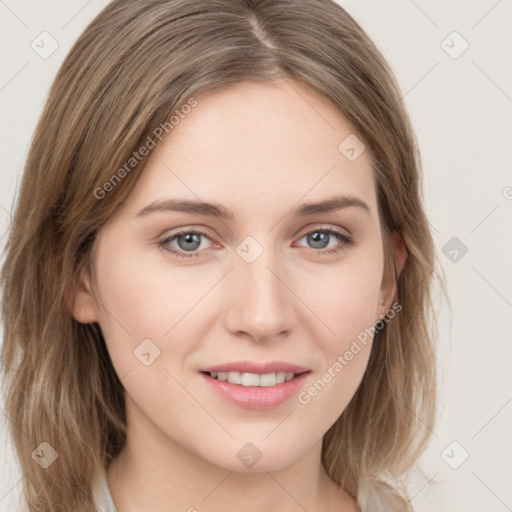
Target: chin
x=256 y=456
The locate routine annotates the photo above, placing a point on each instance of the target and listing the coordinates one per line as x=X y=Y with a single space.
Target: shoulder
x=375 y=495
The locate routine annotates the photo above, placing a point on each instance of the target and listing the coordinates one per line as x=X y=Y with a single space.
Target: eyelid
x=193 y=228
x=344 y=236
x=315 y=226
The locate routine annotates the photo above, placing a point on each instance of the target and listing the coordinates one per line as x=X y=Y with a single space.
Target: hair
x=137 y=63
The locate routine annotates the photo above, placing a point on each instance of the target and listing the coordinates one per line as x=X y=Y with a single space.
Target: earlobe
x=84 y=307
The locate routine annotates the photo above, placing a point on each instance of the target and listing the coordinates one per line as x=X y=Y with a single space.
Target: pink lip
x=256 y=397
x=253 y=367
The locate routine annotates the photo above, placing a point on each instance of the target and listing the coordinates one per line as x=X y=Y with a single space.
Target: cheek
x=350 y=313
x=138 y=292
x=142 y=299
x=347 y=305
x=141 y=303
x=352 y=308
x=329 y=392
x=345 y=298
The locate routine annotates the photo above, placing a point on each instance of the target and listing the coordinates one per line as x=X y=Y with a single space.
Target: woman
x=282 y=360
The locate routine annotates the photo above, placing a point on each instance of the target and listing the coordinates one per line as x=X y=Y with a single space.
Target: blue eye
x=187 y=240
x=190 y=242
x=319 y=237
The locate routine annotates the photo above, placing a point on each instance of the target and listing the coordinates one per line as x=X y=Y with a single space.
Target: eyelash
x=345 y=240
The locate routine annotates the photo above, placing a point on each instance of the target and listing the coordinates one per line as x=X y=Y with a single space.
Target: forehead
x=254 y=144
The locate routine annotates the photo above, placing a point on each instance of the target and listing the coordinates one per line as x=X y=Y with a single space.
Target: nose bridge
x=260 y=303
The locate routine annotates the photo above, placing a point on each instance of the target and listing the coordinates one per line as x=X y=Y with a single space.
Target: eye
x=188 y=242
x=320 y=239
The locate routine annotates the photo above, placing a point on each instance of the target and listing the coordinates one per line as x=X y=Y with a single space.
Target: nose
x=260 y=302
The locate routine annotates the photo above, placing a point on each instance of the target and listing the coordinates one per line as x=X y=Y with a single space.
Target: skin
x=259 y=150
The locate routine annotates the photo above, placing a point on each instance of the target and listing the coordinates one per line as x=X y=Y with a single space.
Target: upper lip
x=253 y=367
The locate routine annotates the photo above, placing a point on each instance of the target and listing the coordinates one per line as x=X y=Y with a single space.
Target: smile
x=253 y=379
x=252 y=390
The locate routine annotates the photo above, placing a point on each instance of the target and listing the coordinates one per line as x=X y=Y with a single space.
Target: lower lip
x=256 y=397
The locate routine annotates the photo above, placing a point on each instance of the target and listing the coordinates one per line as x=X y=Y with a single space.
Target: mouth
x=248 y=379
x=255 y=386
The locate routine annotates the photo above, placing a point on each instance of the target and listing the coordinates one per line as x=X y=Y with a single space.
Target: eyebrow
x=219 y=211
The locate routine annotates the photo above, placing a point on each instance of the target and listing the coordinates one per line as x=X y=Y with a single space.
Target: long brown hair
x=137 y=63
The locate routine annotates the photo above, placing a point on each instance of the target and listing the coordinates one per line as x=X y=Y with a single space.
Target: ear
x=388 y=289
x=84 y=306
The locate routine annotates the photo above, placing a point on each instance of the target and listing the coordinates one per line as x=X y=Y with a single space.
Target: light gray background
x=462 y=112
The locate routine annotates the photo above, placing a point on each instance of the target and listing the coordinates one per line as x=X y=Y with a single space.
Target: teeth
x=268 y=379
x=250 y=379
x=234 y=377
x=253 y=379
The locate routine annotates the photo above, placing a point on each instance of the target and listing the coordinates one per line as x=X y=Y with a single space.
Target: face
x=185 y=295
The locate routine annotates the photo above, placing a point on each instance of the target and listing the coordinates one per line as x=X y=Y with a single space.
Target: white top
x=373 y=496
x=102 y=497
